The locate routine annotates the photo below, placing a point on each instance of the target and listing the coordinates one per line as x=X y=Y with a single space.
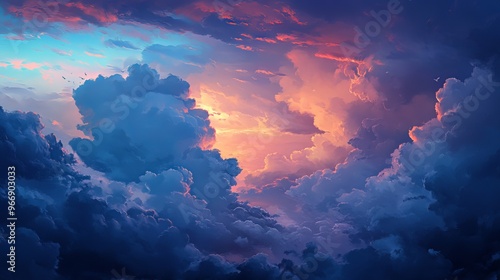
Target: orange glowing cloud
x=99 y=14
x=248 y=13
x=337 y=58
x=246 y=120
x=56 y=123
x=322 y=90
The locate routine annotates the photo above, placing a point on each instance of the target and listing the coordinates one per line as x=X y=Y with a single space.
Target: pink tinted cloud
x=20 y=64
x=98 y=55
x=99 y=14
x=264 y=72
x=292 y=15
x=245 y=48
x=267 y=40
x=248 y=13
x=16 y=63
x=337 y=58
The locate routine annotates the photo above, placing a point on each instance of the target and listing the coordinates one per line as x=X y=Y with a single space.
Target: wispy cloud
x=98 y=55
x=20 y=64
x=245 y=48
x=62 y=52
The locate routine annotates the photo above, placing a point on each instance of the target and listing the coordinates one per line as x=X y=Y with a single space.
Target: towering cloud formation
x=433 y=207
x=141 y=123
x=168 y=211
x=163 y=223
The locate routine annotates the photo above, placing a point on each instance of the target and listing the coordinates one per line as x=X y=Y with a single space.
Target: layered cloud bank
x=287 y=84
x=293 y=140
x=162 y=223
x=434 y=206
x=169 y=213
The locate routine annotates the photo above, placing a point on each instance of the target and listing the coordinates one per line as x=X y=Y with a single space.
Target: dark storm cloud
x=433 y=207
x=157 y=13
x=143 y=121
x=425 y=42
x=161 y=130
x=431 y=192
x=430 y=212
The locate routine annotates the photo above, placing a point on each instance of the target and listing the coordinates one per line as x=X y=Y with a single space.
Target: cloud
x=245 y=48
x=416 y=206
x=185 y=59
x=20 y=64
x=62 y=52
x=149 y=220
x=120 y=44
x=164 y=140
x=93 y=54
x=390 y=204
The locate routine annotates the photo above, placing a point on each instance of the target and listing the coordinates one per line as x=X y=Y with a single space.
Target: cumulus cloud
x=413 y=214
x=120 y=44
x=182 y=213
x=416 y=207
x=384 y=204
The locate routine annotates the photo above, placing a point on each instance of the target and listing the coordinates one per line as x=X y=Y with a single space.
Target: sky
x=236 y=139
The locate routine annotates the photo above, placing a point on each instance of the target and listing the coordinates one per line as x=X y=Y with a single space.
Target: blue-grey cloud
x=120 y=44
x=428 y=209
